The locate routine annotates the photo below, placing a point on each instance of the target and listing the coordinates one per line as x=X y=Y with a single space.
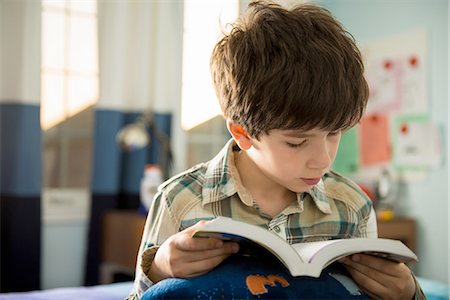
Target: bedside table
x=403 y=229
x=121 y=235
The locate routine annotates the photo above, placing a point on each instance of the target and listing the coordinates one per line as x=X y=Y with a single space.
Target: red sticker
x=404 y=129
x=387 y=64
x=413 y=61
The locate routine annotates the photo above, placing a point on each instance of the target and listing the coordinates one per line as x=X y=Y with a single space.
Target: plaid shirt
x=334 y=208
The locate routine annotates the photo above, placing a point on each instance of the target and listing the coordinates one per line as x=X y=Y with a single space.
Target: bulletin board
x=396 y=130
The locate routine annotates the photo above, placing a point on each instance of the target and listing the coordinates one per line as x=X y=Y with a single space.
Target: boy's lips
x=311 y=181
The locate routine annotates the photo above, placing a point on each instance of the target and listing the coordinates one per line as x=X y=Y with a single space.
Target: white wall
x=427 y=200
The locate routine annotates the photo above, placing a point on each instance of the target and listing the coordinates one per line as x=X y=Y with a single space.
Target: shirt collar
x=222 y=181
x=318 y=194
x=218 y=183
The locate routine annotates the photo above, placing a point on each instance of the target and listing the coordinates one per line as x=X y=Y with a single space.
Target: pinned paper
x=414 y=85
x=347 y=158
x=417 y=143
x=375 y=140
x=396 y=73
x=384 y=77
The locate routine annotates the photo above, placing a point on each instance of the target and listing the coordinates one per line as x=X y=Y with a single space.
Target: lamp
x=138 y=135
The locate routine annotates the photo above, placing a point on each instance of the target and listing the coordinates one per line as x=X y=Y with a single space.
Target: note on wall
x=414 y=85
x=417 y=143
x=375 y=140
x=396 y=74
x=347 y=158
x=384 y=79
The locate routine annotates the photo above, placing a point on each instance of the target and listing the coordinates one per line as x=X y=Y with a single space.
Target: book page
x=229 y=229
x=307 y=258
x=326 y=252
x=308 y=250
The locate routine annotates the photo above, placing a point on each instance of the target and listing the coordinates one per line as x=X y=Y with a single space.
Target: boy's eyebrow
x=298 y=134
x=303 y=134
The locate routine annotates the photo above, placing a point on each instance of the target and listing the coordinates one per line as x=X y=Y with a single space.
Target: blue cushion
x=241 y=277
x=433 y=289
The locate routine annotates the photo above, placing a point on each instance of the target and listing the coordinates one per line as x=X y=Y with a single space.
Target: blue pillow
x=241 y=277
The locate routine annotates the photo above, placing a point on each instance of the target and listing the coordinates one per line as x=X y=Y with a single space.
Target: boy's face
x=295 y=159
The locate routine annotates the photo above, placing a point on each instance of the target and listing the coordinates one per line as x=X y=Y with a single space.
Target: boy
x=289 y=82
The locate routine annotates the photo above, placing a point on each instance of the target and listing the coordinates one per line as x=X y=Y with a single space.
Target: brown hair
x=289 y=69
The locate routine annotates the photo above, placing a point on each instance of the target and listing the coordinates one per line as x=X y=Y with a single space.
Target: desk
x=121 y=235
x=403 y=229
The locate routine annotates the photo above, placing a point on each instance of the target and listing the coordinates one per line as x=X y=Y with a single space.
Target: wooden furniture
x=120 y=240
x=403 y=229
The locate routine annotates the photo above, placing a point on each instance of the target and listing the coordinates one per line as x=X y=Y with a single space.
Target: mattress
x=434 y=290
x=114 y=291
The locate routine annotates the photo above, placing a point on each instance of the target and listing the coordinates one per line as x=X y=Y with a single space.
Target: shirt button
x=277 y=229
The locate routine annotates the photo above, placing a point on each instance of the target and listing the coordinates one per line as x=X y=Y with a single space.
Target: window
x=203 y=24
x=69 y=59
x=69 y=88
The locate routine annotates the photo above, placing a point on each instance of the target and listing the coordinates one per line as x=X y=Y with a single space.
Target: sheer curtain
x=20 y=140
x=140 y=54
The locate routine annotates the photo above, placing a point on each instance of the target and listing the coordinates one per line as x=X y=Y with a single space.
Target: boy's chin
x=300 y=189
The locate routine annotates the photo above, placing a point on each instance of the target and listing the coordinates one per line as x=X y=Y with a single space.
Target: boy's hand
x=381 y=278
x=183 y=256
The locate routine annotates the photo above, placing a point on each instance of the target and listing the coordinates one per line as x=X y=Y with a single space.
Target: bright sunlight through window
x=204 y=20
x=69 y=73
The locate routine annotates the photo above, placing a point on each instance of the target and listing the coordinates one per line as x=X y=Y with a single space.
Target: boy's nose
x=320 y=159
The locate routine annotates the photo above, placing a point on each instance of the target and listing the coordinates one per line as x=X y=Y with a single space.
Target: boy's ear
x=239 y=135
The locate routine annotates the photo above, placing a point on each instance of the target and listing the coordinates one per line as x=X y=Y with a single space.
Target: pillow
x=241 y=277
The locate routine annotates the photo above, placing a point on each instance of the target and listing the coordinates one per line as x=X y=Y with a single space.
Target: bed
x=113 y=291
x=118 y=291
x=116 y=222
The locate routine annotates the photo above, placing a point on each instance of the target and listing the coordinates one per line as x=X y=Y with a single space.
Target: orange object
x=256 y=283
x=385 y=214
x=375 y=140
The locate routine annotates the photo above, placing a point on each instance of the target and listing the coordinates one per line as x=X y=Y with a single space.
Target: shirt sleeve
x=158 y=227
x=367 y=225
x=372 y=227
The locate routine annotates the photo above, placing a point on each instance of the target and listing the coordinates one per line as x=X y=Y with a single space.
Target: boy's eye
x=334 y=133
x=295 y=145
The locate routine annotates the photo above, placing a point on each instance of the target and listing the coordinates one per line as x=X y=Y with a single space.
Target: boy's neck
x=271 y=197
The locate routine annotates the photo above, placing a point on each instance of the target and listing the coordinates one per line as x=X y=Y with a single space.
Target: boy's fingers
x=201 y=267
x=185 y=242
x=385 y=279
x=357 y=264
x=376 y=263
x=188 y=243
x=203 y=248
x=370 y=286
x=227 y=249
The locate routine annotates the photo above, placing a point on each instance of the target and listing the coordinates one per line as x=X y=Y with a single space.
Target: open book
x=304 y=259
